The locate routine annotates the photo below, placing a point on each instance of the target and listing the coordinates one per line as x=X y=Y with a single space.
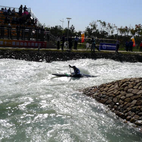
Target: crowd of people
x=129 y=45
x=23 y=16
x=67 y=42
x=70 y=43
x=21 y=22
x=23 y=32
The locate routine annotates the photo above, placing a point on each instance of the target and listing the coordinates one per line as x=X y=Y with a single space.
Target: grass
x=81 y=48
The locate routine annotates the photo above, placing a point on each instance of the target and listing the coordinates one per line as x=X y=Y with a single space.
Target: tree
x=56 y=31
x=132 y=31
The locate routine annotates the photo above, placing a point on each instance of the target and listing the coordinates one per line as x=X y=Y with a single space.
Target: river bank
x=58 y=55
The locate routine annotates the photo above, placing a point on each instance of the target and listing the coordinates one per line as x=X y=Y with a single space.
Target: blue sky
x=83 y=12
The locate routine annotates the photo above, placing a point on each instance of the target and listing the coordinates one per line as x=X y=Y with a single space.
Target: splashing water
x=36 y=106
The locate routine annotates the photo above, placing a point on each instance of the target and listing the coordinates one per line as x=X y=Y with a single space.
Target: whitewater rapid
x=36 y=106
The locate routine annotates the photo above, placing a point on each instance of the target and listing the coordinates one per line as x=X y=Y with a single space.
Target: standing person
x=13 y=12
x=131 y=45
x=25 y=8
x=37 y=33
x=141 y=46
x=18 y=31
x=5 y=12
x=75 y=43
x=22 y=32
x=127 y=45
x=1 y=31
x=20 y=10
x=70 y=43
x=93 y=45
x=42 y=34
x=9 y=12
x=63 y=41
x=117 y=46
x=9 y=31
x=29 y=34
x=47 y=37
x=58 y=42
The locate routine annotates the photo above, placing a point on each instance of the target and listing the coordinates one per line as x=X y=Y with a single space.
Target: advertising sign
x=107 y=46
x=22 y=43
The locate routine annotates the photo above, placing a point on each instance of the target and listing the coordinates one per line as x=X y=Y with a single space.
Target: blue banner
x=107 y=46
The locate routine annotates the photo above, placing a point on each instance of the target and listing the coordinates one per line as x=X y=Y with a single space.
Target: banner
x=22 y=43
x=134 y=44
x=107 y=46
x=82 y=37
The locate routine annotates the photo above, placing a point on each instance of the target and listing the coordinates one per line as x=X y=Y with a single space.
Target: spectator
x=18 y=31
x=25 y=8
x=5 y=11
x=117 y=46
x=30 y=33
x=2 y=10
x=87 y=45
x=127 y=46
x=20 y=10
x=9 y=12
x=28 y=21
x=25 y=13
x=7 y=20
x=22 y=28
x=42 y=34
x=63 y=41
x=48 y=37
x=46 y=34
x=70 y=43
x=17 y=20
x=37 y=33
x=2 y=30
x=58 y=42
x=9 y=31
x=33 y=21
x=141 y=46
x=14 y=20
x=131 y=45
x=75 y=43
x=13 y=12
x=36 y=22
x=93 y=45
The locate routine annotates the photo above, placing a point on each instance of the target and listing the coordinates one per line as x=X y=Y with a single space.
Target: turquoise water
x=36 y=106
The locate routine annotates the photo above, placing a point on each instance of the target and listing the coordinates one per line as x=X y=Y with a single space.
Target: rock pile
x=123 y=97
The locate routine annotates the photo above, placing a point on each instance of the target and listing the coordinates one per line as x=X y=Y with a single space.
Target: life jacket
x=76 y=71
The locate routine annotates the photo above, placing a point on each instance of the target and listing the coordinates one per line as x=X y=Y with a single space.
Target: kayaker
x=76 y=71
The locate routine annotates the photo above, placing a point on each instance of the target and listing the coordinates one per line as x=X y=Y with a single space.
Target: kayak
x=72 y=75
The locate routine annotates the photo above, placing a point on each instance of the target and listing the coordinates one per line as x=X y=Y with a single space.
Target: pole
x=68 y=31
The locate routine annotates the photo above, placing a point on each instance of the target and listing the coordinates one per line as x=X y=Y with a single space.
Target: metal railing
x=16 y=9
x=23 y=34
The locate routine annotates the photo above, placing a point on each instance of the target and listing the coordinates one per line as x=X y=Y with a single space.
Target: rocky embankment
x=123 y=97
x=49 y=55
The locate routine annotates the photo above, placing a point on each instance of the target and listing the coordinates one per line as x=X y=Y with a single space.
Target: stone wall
x=123 y=97
x=49 y=55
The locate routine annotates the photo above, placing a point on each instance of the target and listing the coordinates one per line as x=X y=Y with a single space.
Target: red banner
x=22 y=43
